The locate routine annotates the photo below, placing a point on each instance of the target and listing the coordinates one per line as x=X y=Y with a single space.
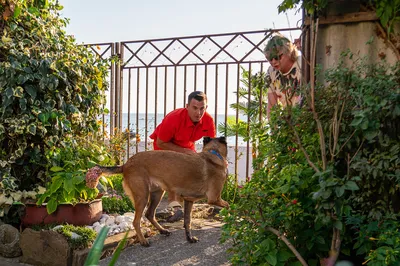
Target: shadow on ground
x=175 y=250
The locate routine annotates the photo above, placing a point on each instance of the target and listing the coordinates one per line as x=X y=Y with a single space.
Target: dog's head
x=218 y=144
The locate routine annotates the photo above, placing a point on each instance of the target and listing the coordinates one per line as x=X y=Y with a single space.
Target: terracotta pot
x=78 y=214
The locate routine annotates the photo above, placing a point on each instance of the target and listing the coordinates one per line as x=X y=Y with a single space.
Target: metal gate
x=154 y=77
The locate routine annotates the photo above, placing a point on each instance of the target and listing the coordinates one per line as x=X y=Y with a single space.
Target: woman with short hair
x=284 y=74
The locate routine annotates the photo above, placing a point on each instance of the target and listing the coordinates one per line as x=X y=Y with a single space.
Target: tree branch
x=388 y=41
x=298 y=140
x=282 y=237
x=288 y=244
x=335 y=248
x=314 y=30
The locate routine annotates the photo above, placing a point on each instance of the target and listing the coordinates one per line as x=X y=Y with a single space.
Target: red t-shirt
x=177 y=128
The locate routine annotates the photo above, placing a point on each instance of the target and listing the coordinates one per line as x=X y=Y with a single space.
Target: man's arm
x=172 y=147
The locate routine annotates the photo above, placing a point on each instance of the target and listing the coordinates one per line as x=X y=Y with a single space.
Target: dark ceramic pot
x=78 y=214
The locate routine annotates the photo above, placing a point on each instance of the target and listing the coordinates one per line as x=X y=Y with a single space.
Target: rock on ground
x=53 y=245
x=9 y=241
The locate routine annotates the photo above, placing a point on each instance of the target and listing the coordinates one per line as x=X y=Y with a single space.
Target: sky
x=98 y=21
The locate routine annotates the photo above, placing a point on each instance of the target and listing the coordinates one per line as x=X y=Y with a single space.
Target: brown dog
x=148 y=174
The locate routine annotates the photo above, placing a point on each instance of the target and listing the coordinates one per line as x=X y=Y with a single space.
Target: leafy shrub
x=116 y=201
x=49 y=88
x=116 y=204
x=231 y=188
x=333 y=171
x=70 y=163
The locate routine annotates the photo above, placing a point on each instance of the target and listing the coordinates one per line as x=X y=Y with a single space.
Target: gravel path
x=175 y=250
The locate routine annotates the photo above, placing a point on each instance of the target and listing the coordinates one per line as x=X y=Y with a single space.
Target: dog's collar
x=216 y=153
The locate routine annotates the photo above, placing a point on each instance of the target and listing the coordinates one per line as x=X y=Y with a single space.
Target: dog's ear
x=206 y=140
x=222 y=140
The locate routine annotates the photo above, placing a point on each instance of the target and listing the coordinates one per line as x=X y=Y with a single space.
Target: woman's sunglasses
x=276 y=57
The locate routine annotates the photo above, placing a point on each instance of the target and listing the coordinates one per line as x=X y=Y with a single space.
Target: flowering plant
x=93 y=176
x=68 y=184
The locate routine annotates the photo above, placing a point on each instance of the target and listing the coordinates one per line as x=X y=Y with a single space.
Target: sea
x=138 y=124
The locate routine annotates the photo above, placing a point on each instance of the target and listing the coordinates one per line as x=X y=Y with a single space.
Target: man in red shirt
x=178 y=132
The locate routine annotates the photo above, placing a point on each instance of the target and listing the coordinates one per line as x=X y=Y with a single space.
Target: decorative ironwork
x=228 y=48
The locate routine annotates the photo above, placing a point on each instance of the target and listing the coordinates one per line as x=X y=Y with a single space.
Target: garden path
x=171 y=250
x=175 y=250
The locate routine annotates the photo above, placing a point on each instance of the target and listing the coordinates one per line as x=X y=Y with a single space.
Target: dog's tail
x=93 y=174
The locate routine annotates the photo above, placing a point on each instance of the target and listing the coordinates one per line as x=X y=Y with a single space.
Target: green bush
x=231 y=189
x=69 y=164
x=116 y=201
x=300 y=196
x=50 y=88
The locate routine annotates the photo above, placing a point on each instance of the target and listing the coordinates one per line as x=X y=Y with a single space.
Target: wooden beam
x=347 y=18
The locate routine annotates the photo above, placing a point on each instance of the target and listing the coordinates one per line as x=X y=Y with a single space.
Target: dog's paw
x=145 y=243
x=193 y=239
x=165 y=232
x=224 y=204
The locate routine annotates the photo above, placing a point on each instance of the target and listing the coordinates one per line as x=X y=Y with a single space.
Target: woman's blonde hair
x=279 y=44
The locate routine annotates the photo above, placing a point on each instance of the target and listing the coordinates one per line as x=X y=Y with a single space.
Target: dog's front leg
x=187 y=220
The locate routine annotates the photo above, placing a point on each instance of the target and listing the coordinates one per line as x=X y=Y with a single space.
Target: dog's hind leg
x=187 y=222
x=155 y=198
x=139 y=199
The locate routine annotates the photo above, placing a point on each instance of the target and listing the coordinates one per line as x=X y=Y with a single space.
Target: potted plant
x=67 y=199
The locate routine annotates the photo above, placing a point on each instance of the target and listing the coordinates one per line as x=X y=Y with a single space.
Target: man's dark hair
x=197 y=95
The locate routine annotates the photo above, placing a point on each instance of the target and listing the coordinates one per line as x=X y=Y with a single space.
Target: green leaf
x=356 y=121
x=22 y=79
x=364 y=125
x=326 y=194
x=97 y=248
x=53 y=115
x=9 y=92
x=351 y=185
x=18 y=92
x=268 y=244
x=22 y=104
x=68 y=184
x=17 y=11
x=43 y=197
x=56 y=184
x=338 y=224
x=52 y=206
x=369 y=135
x=31 y=90
x=117 y=252
x=34 y=11
x=32 y=129
x=320 y=240
x=44 y=117
x=271 y=258
x=77 y=179
x=56 y=169
x=339 y=191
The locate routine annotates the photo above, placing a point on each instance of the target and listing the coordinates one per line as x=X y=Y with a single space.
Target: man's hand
x=173 y=147
x=188 y=151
